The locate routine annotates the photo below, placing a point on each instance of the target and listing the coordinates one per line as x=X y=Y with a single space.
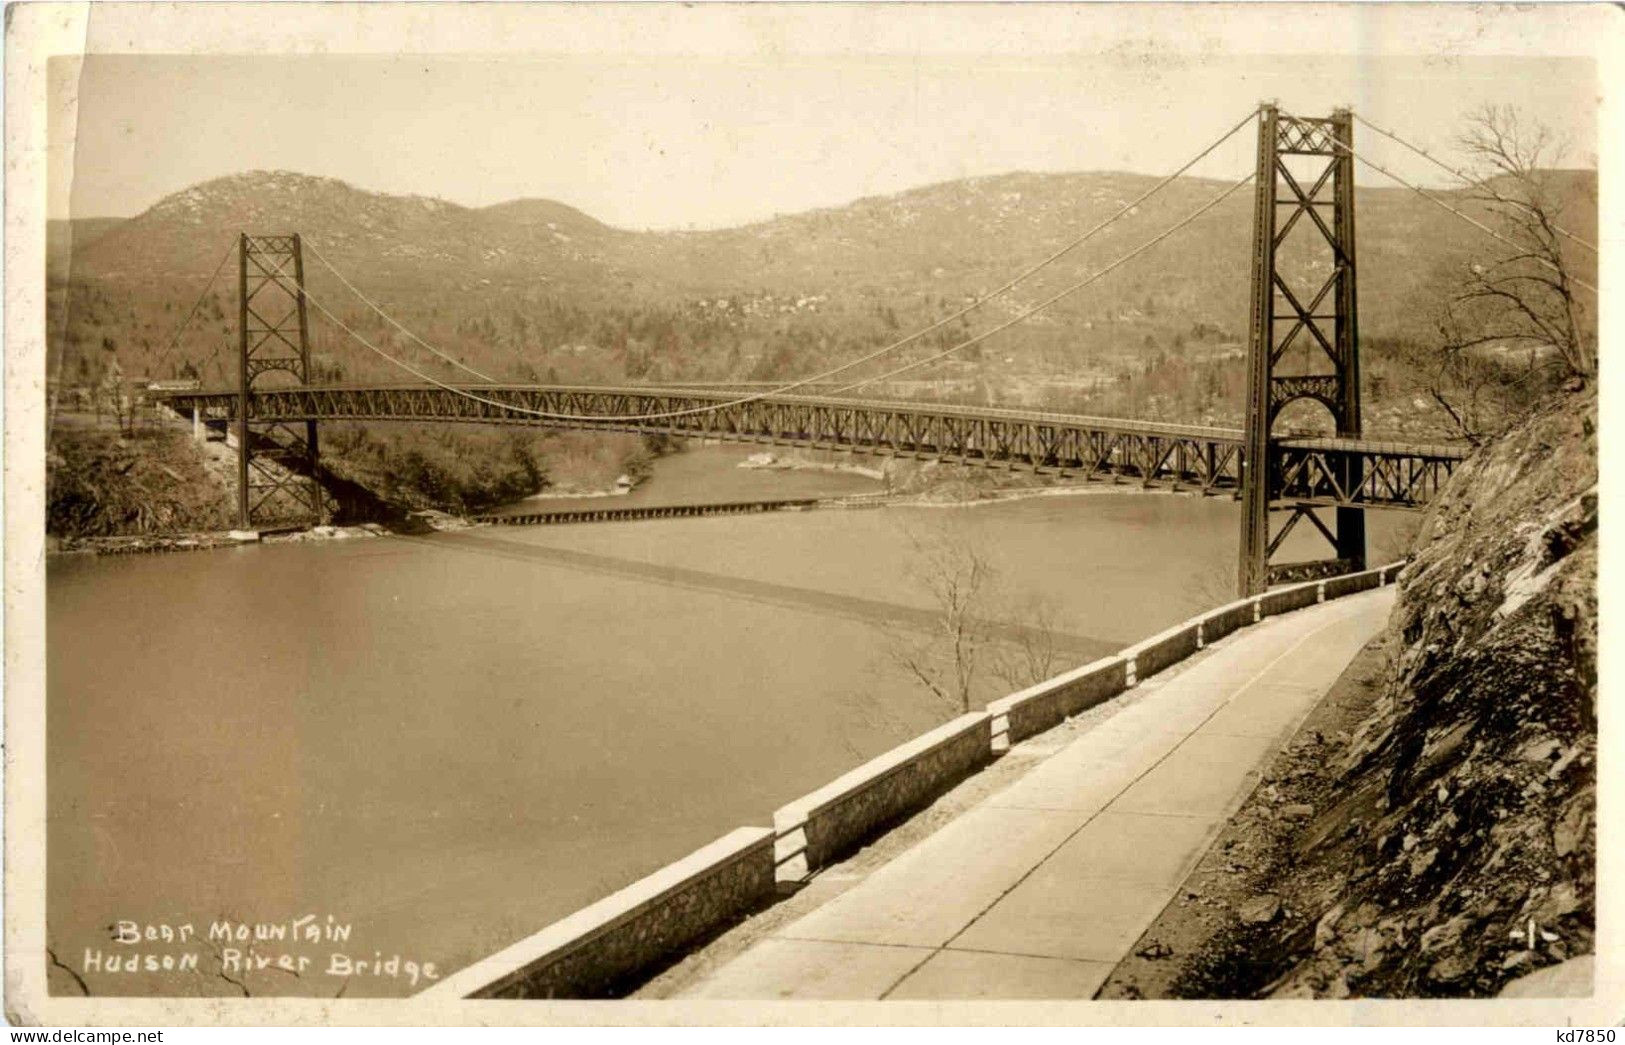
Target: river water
x=449 y=742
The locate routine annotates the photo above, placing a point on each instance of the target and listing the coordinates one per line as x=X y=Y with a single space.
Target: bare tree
x=978 y=629
x=957 y=576
x=1034 y=655
x=112 y=390
x=1519 y=325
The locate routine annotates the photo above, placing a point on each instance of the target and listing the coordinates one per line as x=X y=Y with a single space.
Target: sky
x=710 y=140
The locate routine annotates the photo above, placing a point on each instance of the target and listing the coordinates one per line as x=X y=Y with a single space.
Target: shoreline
x=565 y=495
x=210 y=540
x=1089 y=489
x=435 y=521
x=926 y=498
x=765 y=462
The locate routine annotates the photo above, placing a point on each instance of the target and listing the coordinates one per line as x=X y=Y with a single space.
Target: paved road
x=1041 y=889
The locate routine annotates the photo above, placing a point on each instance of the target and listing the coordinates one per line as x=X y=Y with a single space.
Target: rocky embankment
x=1472 y=786
x=1446 y=845
x=152 y=488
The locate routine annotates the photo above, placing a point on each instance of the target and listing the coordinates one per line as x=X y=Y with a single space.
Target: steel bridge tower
x=1303 y=298
x=276 y=460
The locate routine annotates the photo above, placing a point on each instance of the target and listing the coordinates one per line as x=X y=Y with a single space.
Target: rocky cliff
x=1463 y=851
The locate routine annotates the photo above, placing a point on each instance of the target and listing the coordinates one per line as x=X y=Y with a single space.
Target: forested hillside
x=534 y=290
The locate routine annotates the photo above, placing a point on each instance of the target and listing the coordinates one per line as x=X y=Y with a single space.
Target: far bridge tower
x=276 y=460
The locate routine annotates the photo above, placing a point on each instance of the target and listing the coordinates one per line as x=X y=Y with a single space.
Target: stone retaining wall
x=590 y=953
x=826 y=824
x=1350 y=583
x=1216 y=624
x=1159 y=651
x=1284 y=600
x=1037 y=708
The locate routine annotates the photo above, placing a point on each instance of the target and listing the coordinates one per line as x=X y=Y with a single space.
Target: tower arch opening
x=1303 y=417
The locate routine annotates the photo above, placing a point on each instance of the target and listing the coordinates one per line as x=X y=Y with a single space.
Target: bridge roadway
x=1038 y=890
x=1344 y=472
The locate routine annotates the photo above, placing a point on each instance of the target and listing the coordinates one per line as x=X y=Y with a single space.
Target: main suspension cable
x=1442 y=205
x=877 y=353
x=1469 y=179
x=663 y=415
x=175 y=338
x=1131 y=255
x=379 y=309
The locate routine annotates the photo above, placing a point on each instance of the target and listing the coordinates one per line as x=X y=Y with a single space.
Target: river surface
x=449 y=742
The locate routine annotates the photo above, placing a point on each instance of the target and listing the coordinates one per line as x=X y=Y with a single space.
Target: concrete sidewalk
x=1041 y=889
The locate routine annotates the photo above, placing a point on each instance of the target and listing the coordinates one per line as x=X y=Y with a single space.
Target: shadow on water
x=784 y=595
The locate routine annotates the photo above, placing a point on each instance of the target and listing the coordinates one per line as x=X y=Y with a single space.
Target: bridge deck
x=1155 y=453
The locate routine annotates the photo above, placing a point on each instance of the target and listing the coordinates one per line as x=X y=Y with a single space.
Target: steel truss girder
x=1187 y=458
x=1386 y=478
x=1201 y=460
x=1320 y=569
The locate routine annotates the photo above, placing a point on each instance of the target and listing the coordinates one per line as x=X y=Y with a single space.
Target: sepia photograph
x=914 y=508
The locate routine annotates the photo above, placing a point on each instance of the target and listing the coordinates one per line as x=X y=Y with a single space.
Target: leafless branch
x=1525 y=296
x=976 y=630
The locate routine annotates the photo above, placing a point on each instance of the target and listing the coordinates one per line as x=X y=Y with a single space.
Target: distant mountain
x=556 y=218
x=956 y=236
x=531 y=279
x=418 y=237
x=64 y=236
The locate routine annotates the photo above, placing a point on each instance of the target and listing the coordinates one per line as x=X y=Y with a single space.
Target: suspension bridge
x=1303 y=186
